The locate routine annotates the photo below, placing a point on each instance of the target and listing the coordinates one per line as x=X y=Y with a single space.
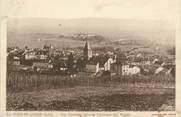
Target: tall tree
x=70 y=62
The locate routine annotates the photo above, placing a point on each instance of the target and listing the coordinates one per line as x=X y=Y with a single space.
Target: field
x=62 y=93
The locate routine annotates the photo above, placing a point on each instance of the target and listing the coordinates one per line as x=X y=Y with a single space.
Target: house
x=42 y=54
x=139 y=55
x=103 y=64
x=92 y=68
x=136 y=61
x=43 y=65
x=14 y=62
x=50 y=66
x=116 y=68
x=148 y=69
x=57 y=65
x=125 y=69
x=63 y=66
x=165 y=70
x=107 y=64
x=29 y=55
x=119 y=61
x=16 y=58
x=146 y=62
x=139 y=61
x=157 y=61
x=128 y=70
x=161 y=70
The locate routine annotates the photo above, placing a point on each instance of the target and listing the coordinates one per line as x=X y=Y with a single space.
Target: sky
x=123 y=9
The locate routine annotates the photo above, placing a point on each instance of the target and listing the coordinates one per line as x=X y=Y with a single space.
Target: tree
x=81 y=64
x=171 y=51
x=70 y=62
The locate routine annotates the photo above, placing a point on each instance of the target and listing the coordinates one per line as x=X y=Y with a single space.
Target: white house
x=29 y=55
x=127 y=70
x=158 y=70
x=107 y=65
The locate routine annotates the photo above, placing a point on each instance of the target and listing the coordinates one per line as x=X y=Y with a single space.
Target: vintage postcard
x=90 y=58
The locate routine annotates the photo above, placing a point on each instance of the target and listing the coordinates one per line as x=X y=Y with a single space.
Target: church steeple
x=87 y=51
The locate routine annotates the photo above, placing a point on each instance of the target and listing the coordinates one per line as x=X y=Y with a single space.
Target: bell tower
x=87 y=52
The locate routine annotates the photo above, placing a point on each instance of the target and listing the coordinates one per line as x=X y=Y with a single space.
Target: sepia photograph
x=91 y=55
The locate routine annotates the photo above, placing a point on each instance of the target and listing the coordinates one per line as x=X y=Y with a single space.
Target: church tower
x=87 y=53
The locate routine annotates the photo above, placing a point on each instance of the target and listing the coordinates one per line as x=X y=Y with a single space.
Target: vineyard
x=39 y=92
x=17 y=81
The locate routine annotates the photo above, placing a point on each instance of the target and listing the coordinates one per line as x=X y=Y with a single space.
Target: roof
x=40 y=64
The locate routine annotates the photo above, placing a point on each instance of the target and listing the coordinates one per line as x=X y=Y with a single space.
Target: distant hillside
x=27 y=31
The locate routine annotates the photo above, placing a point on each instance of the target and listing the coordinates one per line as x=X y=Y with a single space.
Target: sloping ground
x=114 y=98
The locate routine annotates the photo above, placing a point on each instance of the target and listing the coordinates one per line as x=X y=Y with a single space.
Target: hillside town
x=94 y=58
x=73 y=61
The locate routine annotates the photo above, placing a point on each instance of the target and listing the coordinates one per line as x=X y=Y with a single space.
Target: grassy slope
x=43 y=100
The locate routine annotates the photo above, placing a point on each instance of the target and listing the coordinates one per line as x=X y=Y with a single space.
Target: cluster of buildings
x=68 y=61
